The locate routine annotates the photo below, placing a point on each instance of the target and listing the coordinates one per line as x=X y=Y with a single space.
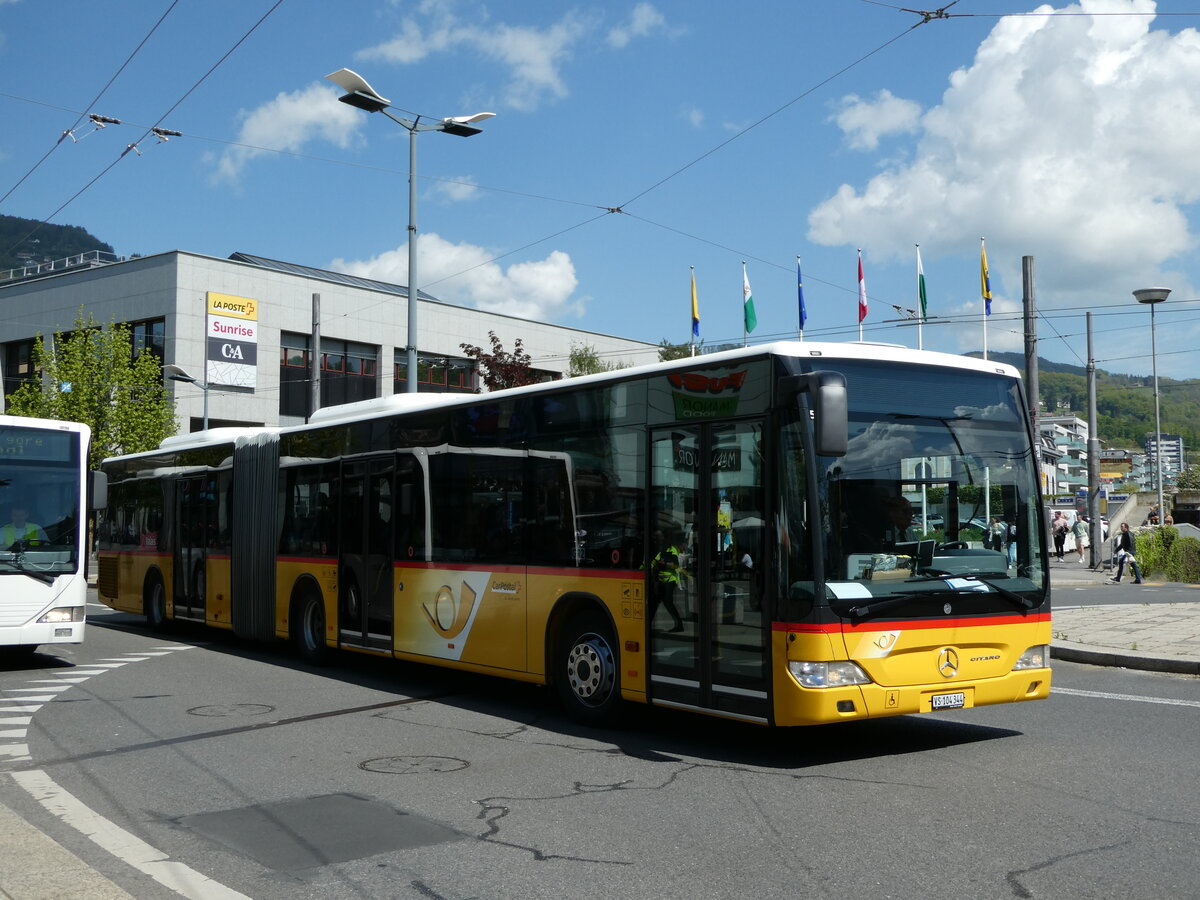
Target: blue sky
x=634 y=140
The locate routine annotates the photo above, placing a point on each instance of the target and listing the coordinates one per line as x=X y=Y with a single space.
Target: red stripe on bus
x=903 y=624
x=562 y=572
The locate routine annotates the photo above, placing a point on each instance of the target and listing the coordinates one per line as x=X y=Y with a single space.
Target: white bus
x=43 y=532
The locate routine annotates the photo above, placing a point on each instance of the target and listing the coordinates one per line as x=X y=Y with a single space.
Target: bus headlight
x=1034 y=658
x=827 y=674
x=63 y=614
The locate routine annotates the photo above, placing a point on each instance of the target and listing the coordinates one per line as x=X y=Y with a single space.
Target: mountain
x=23 y=241
x=1124 y=403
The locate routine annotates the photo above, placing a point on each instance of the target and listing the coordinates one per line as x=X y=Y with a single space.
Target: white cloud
x=692 y=115
x=865 y=121
x=643 y=21
x=288 y=123
x=539 y=289
x=1070 y=137
x=533 y=56
x=457 y=188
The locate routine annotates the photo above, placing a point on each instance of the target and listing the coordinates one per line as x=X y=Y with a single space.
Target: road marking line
x=14 y=733
x=1137 y=698
x=120 y=843
x=40 y=698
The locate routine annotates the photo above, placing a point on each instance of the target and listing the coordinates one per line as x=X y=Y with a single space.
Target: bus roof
x=399 y=403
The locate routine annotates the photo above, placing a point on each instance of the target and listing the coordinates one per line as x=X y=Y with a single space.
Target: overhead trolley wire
x=93 y=102
x=152 y=129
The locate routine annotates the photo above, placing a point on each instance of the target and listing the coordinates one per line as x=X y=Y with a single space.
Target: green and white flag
x=751 y=320
x=921 y=283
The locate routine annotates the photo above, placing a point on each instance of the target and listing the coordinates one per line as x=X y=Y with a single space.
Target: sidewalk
x=1156 y=637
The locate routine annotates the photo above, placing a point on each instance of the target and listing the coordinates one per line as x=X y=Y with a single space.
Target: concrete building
x=243 y=326
x=1171 y=448
x=1070 y=436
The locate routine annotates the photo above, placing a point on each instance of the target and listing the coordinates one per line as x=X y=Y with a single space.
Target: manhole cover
x=232 y=710
x=413 y=765
x=318 y=831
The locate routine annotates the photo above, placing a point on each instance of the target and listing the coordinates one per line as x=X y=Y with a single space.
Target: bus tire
x=307 y=622
x=154 y=604
x=586 y=667
x=19 y=651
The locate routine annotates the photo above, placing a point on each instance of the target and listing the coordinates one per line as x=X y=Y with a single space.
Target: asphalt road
x=256 y=775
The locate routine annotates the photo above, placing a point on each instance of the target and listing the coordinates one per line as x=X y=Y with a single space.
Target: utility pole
x=1096 y=528
x=1032 y=390
x=314 y=384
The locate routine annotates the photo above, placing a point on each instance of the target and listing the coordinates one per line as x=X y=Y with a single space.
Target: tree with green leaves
x=89 y=375
x=586 y=361
x=501 y=369
x=668 y=351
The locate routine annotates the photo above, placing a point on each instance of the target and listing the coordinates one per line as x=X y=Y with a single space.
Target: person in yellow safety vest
x=665 y=569
x=20 y=529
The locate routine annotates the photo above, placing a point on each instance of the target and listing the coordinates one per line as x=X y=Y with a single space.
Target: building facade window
x=436 y=374
x=148 y=335
x=18 y=364
x=349 y=372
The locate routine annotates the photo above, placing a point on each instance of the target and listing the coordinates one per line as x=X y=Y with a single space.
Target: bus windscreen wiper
x=864 y=610
x=18 y=565
x=1013 y=597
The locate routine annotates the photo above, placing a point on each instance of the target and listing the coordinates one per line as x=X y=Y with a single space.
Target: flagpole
x=985 y=290
x=800 y=297
x=920 y=300
x=862 y=296
x=695 y=313
x=745 y=340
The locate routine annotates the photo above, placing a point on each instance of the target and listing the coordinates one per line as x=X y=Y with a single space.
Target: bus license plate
x=949 y=701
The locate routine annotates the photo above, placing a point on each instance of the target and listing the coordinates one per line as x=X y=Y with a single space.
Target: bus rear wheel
x=308 y=627
x=586 y=674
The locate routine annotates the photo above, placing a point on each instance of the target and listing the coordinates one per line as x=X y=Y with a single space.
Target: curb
x=1125 y=660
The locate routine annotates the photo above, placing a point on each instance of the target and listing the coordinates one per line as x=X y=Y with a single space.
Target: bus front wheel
x=155 y=605
x=586 y=674
x=308 y=627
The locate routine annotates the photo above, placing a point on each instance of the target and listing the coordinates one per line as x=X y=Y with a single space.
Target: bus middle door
x=195 y=499
x=366 y=557
x=708 y=633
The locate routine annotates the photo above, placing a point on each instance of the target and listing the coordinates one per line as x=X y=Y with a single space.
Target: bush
x=1183 y=560
x=1154 y=547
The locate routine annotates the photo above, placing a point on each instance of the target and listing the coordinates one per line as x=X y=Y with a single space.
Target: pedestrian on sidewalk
x=1080 y=530
x=1059 y=530
x=1125 y=547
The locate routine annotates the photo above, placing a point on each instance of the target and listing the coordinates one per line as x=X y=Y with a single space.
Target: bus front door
x=366 y=557
x=195 y=502
x=708 y=635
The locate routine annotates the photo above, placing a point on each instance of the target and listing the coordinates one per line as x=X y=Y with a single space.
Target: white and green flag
x=751 y=320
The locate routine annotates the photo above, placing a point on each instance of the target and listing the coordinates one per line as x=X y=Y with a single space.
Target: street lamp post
x=175 y=373
x=1152 y=297
x=361 y=95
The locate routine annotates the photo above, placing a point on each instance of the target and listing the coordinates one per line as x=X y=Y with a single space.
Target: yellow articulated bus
x=791 y=534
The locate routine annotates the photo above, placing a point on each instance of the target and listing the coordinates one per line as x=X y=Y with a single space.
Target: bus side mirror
x=98 y=489
x=831 y=418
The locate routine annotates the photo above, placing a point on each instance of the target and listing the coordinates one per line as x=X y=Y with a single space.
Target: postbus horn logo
x=450 y=614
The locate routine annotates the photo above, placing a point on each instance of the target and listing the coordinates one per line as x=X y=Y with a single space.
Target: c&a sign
x=231 y=342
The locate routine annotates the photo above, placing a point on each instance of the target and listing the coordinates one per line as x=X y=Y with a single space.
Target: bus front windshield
x=39 y=503
x=937 y=491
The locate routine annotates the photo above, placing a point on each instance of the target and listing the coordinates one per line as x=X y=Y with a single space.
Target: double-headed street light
x=175 y=373
x=361 y=95
x=1152 y=297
